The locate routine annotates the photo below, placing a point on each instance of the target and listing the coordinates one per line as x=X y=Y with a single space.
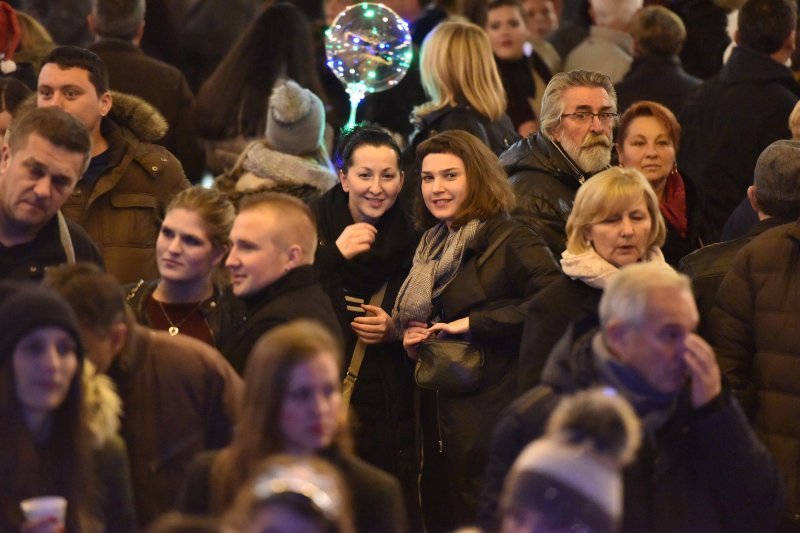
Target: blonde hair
x=457 y=67
x=794 y=122
x=606 y=193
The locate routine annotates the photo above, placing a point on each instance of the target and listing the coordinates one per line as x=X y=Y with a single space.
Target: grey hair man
x=44 y=156
x=579 y=111
x=697 y=444
x=774 y=196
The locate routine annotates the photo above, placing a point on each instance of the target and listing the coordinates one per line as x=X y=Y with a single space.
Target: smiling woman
x=471 y=276
x=192 y=295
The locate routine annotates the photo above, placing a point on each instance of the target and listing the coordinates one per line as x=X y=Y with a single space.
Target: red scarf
x=673 y=202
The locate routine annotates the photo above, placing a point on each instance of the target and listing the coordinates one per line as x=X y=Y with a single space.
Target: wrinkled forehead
x=593 y=99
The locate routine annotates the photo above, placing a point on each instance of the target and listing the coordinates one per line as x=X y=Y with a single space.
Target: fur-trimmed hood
x=103 y=405
x=127 y=111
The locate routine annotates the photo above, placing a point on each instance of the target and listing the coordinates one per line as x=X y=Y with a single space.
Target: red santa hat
x=9 y=37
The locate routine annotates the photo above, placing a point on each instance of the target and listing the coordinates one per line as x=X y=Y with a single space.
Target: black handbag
x=449 y=365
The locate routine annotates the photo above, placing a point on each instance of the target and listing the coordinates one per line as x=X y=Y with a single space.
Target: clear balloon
x=369 y=49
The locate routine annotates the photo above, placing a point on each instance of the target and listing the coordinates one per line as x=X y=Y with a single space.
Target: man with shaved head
x=273 y=241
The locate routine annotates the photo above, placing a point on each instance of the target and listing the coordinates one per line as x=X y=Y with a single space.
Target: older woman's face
x=623 y=236
x=310 y=412
x=648 y=147
x=44 y=365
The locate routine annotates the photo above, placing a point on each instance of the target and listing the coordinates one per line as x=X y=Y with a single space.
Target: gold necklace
x=174 y=329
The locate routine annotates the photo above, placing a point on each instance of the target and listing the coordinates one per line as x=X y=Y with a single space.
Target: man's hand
x=356 y=239
x=703 y=368
x=376 y=326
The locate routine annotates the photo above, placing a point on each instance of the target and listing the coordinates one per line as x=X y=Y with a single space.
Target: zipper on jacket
x=439 y=425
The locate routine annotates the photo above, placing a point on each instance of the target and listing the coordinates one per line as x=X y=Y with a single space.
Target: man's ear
x=118 y=337
x=751 y=197
x=105 y=103
x=91 y=23
x=5 y=157
x=614 y=334
x=295 y=257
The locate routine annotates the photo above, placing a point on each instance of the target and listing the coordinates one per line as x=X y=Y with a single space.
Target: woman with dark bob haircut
x=472 y=275
x=293 y=404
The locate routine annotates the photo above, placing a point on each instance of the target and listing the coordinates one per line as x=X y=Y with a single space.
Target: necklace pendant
x=173 y=330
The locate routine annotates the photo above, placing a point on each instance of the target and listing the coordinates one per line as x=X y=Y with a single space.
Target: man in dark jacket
x=701 y=466
x=656 y=74
x=179 y=395
x=119 y=26
x=273 y=241
x=774 y=196
x=122 y=195
x=579 y=110
x=733 y=116
x=46 y=153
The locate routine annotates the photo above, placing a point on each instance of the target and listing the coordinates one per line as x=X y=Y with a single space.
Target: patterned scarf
x=593 y=270
x=436 y=263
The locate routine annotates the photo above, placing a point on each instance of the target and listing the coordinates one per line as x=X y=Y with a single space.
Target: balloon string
x=356 y=92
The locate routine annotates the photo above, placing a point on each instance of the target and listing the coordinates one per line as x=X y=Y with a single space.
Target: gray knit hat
x=295 y=119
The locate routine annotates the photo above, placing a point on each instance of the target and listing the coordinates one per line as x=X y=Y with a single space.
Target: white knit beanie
x=295 y=119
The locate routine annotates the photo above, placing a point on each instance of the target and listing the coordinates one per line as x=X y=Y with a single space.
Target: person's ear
x=118 y=336
x=751 y=197
x=614 y=334
x=218 y=255
x=295 y=257
x=343 y=181
x=402 y=179
x=736 y=38
x=5 y=157
x=105 y=103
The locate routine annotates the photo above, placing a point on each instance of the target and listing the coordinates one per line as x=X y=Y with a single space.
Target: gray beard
x=592 y=158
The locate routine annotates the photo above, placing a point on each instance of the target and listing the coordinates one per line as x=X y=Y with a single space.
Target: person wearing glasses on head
x=579 y=111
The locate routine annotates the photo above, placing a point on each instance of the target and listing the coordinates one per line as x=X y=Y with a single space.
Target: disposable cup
x=44 y=507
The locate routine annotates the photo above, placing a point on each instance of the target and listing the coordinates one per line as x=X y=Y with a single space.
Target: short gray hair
x=553 y=97
x=118 y=19
x=625 y=296
x=777 y=179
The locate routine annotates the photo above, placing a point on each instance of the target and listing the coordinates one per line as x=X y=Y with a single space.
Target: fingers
x=356 y=239
x=706 y=378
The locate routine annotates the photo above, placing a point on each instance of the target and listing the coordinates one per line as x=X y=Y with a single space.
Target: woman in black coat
x=614 y=222
x=647 y=140
x=293 y=405
x=366 y=242
x=472 y=275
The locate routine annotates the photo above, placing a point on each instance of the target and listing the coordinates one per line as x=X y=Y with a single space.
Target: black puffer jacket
x=456 y=427
x=704 y=470
x=545 y=181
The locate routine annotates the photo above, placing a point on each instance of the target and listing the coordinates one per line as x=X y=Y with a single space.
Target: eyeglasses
x=606 y=117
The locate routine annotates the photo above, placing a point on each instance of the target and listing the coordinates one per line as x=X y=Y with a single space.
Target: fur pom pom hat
x=571 y=476
x=9 y=37
x=295 y=119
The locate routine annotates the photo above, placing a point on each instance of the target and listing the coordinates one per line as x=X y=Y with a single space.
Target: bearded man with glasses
x=579 y=111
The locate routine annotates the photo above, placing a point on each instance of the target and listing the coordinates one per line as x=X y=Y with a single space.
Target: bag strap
x=65 y=238
x=358 y=355
x=494 y=246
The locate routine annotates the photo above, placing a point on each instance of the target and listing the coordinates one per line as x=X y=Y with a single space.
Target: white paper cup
x=44 y=507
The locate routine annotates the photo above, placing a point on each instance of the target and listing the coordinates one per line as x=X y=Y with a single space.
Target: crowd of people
x=548 y=284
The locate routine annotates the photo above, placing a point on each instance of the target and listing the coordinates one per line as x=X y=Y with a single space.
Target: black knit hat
x=26 y=307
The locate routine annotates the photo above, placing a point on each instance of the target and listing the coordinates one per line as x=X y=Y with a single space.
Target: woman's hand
x=356 y=239
x=456 y=327
x=415 y=333
x=375 y=327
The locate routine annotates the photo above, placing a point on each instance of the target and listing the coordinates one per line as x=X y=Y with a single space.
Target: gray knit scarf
x=436 y=263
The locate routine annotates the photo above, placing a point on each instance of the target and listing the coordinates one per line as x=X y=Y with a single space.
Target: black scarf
x=391 y=252
x=520 y=89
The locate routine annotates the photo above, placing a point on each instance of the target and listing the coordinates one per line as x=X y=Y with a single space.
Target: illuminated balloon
x=369 y=49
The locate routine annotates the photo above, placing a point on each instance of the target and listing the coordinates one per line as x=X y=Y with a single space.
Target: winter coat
x=545 y=181
x=657 y=78
x=123 y=211
x=498 y=135
x=754 y=329
x=131 y=71
x=708 y=266
x=382 y=400
x=113 y=506
x=376 y=499
x=605 y=50
x=180 y=397
x=59 y=241
x=565 y=301
x=456 y=427
x=223 y=312
x=295 y=295
x=727 y=122
x=704 y=470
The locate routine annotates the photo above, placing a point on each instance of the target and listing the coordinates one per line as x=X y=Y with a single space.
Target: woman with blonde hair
x=460 y=77
x=615 y=222
x=293 y=405
x=192 y=295
x=471 y=276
